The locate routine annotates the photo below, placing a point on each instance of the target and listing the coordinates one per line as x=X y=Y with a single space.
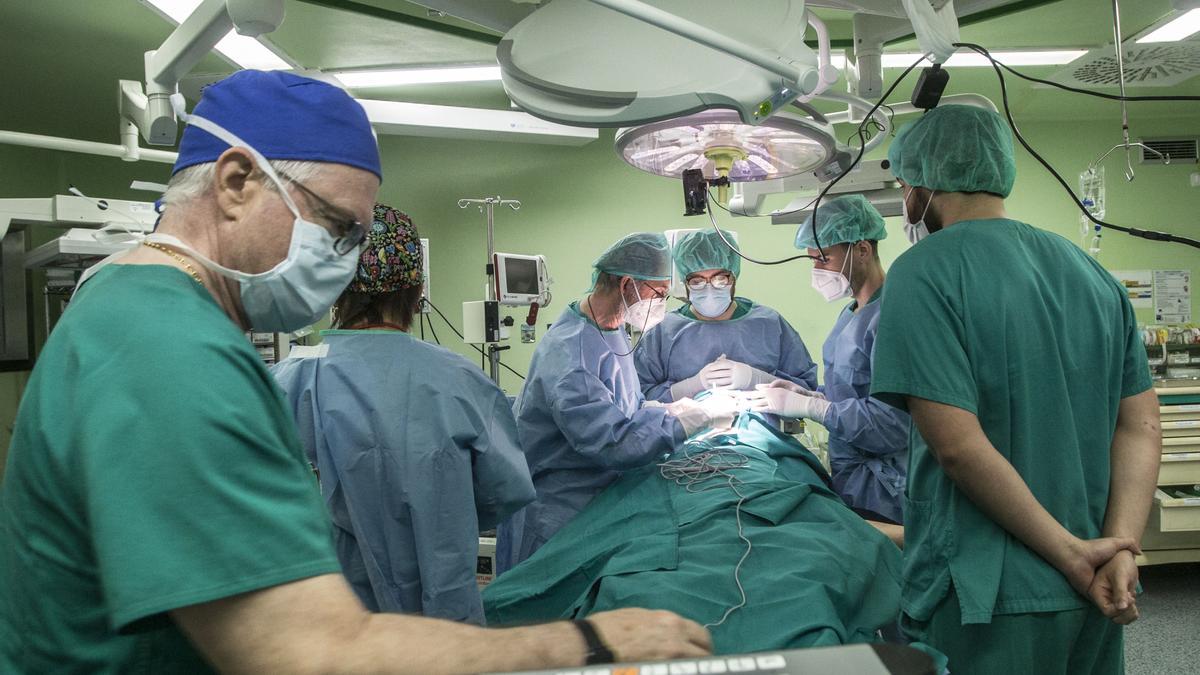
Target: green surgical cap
x=704 y=250
x=956 y=148
x=642 y=255
x=843 y=220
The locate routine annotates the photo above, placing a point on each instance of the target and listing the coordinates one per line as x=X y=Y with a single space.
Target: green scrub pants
x=1070 y=642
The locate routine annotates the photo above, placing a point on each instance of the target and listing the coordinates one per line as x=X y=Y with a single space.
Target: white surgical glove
x=653 y=404
x=687 y=388
x=792 y=386
x=787 y=403
x=728 y=374
x=696 y=417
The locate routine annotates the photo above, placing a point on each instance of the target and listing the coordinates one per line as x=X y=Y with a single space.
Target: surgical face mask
x=644 y=314
x=834 y=285
x=303 y=286
x=710 y=302
x=919 y=230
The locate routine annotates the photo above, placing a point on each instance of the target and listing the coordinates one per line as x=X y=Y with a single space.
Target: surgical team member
x=157 y=513
x=868 y=439
x=416 y=449
x=718 y=339
x=1033 y=471
x=580 y=415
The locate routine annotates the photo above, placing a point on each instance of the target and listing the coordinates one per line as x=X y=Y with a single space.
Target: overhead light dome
x=582 y=63
x=719 y=144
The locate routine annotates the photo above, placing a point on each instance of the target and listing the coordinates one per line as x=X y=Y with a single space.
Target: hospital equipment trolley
x=1173 y=532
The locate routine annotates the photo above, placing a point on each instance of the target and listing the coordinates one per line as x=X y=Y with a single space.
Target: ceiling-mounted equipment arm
x=804 y=79
x=148 y=109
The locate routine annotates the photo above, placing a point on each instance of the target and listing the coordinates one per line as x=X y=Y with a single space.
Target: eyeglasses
x=718 y=281
x=350 y=231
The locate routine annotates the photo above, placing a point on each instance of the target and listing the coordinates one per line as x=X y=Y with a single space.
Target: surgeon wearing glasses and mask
x=170 y=522
x=868 y=439
x=580 y=416
x=718 y=340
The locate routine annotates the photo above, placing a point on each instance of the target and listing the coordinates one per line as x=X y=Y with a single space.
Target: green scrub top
x=1023 y=329
x=153 y=466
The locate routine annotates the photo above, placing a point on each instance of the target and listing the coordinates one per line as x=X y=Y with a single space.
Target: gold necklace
x=191 y=270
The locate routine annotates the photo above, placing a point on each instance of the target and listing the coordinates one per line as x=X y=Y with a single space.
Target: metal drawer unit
x=1173 y=530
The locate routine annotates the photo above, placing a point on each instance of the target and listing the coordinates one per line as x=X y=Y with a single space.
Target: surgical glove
x=728 y=374
x=792 y=386
x=787 y=403
x=695 y=418
x=653 y=404
x=687 y=388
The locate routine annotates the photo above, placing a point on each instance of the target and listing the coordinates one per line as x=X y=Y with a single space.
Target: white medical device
x=521 y=280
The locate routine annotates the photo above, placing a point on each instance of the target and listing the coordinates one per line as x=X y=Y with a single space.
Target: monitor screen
x=521 y=276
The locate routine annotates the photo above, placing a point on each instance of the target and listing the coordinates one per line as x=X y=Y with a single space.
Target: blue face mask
x=710 y=302
x=299 y=290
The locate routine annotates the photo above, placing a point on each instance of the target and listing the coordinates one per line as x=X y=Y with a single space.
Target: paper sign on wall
x=1172 y=296
x=1140 y=286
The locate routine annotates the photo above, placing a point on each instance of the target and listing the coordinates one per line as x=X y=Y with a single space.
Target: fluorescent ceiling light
x=246 y=52
x=366 y=79
x=969 y=59
x=1180 y=28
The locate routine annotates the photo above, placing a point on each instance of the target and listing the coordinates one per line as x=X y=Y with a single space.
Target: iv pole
x=488 y=205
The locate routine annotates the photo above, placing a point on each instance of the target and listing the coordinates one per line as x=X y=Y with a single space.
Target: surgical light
x=1179 y=28
x=718 y=144
x=398 y=77
x=242 y=50
x=613 y=63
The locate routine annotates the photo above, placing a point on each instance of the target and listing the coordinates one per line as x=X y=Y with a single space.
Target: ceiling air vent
x=1178 y=149
x=1148 y=65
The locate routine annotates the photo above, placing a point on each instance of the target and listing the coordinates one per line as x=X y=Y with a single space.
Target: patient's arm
x=893 y=532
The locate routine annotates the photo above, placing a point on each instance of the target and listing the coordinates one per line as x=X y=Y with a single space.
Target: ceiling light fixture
x=962 y=59
x=243 y=51
x=1180 y=28
x=399 y=77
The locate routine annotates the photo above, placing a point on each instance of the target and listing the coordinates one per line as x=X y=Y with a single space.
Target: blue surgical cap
x=843 y=220
x=956 y=148
x=704 y=250
x=284 y=117
x=642 y=255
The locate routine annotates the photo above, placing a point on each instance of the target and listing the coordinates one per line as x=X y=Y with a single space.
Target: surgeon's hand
x=695 y=416
x=792 y=386
x=1114 y=588
x=646 y=635
x=725 y=373
x=787 y=403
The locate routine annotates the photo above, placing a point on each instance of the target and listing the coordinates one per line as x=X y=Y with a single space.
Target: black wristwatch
x=597 y=651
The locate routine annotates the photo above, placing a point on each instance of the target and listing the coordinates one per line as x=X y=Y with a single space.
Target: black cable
x=461 y=337
x=422 y=319
x=1088 y=92
x=433 y=332
x=816 y=202
x=1144 y=234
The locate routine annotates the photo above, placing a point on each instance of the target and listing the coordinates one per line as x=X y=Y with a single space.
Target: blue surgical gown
x=581 y=423
x=868 y=439
x=417 y=452
x=680 y=346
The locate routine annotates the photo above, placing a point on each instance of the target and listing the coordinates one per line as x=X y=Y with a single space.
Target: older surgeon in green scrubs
x=157 y=514
x=1036 y=445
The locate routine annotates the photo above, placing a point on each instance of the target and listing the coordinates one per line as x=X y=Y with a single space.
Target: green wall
x=578 y=200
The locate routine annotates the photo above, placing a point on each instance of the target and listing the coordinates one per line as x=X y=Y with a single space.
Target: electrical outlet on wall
x=1196 y=179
